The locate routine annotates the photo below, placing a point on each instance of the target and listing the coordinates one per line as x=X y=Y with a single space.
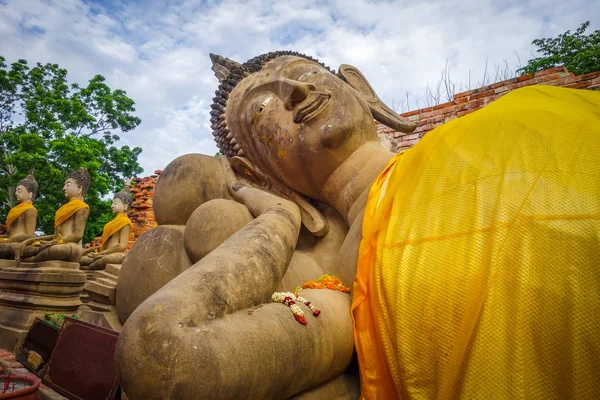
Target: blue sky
x=157 y=51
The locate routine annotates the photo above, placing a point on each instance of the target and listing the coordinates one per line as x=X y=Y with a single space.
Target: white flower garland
x=290 y=299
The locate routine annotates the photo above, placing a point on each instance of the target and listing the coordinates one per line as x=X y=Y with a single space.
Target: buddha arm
x=33 y=239
x=89 y=250
x=123 y=236
x=76 y=234
x=29 y=217
x=241 y=273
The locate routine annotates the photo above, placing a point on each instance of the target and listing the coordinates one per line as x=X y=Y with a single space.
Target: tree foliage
x=579 y=53
x=52 y=128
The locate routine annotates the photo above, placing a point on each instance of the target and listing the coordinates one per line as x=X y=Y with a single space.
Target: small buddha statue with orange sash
x=21 y=219
x=69 y=224
x=115 y=236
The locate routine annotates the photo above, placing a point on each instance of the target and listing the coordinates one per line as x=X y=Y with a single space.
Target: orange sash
x=67 y=210
x=16 y=212
x=113 y=227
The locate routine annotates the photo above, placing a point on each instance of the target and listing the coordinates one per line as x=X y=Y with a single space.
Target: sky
x=157 y=51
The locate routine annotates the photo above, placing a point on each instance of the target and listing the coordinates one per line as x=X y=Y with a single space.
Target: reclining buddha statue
x=473 y=256
x=69 y=225
x=21 y=219
x=115 y=236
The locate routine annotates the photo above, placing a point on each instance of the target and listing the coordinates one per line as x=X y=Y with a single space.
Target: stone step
x=107 y=282
x=114 y=269
x=105 y=275
x=101 y=289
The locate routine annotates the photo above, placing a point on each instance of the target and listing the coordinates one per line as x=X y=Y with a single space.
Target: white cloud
x=158 y=52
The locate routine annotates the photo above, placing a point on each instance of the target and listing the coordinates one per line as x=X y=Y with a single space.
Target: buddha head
x=291 y=120
x=26 y=189
x=122 y=200
x=77 y=183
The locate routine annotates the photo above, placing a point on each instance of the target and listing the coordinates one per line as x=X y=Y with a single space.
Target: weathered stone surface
x=211 y=224
x=114 y=269
x=157 y=256
x=187 y=182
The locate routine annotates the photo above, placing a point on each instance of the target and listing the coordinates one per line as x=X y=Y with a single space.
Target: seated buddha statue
x=21 y=219
x=115 y=236
x=69 y=225
x=473 y=255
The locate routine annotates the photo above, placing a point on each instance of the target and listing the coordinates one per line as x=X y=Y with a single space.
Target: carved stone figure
x=47 y=278
x=435 y=298
x=163 y=253
x=69 y=225
x=21 y=219
x=115 y=236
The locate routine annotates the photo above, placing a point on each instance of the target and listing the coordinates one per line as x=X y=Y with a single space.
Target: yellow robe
x=113 y=227
x=67 y=210
x=479 y=267
x=16 y=212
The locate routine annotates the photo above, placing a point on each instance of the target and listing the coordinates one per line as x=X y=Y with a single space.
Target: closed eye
x=311 y=73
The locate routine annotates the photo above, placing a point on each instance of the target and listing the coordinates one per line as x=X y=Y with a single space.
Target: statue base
x=30 y=290
x=100 y=308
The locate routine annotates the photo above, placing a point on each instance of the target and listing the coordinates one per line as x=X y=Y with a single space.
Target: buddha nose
x=293 y=92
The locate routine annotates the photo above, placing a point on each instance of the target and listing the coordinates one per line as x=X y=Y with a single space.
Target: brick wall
x=142 y=213
x=472 y=100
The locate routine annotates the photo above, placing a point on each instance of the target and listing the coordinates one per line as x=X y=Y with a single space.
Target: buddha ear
x=382 y=113
x=311 y=217
x=244 y=168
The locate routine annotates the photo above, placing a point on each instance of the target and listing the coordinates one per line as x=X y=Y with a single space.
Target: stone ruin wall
x=472 y=100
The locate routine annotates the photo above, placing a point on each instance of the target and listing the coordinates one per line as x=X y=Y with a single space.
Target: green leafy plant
x=58 y=319
x=579 y=53
x=51 y=127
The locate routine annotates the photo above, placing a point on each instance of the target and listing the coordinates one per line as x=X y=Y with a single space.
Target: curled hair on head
x=83 y=179
x=30 y=184
x=225 y=140
x=125 y=195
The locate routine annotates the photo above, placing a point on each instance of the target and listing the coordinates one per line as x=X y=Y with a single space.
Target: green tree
x=579 y=53
x=52 y=128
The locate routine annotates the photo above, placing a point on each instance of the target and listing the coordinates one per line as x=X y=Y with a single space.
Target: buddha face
x=298 y=122
x=71 y=189
x=22 y=194
x=118 y=206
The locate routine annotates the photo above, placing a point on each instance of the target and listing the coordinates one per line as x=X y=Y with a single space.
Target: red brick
x=578 y=85
x=525 y=77
x=463 y=94
x=443 y=105
x=595 y=81
x=434 y=119
x=482 y=94
x=462 y=107
x=408 y=114
x=430 y=114
x=504 y=83
x=461 y=99
x=549 y=71
x=475 y=104
x=588 y=76
x=483 y=88
x=501 y=89
x=550 y=77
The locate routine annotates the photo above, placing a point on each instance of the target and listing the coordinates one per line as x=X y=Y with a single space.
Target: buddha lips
x=290 y=299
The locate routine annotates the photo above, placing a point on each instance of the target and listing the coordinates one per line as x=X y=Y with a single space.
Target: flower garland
x=324 y=282
x=290 y=299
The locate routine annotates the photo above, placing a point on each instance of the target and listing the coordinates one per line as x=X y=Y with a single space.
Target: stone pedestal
x=30 y=290
x=100 y=309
